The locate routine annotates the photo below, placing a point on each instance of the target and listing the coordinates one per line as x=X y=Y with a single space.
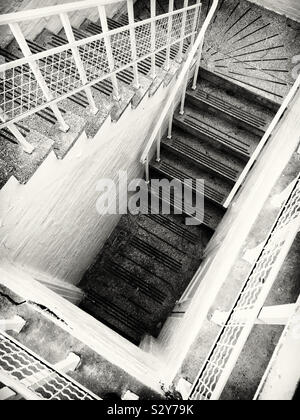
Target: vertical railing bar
x=197 y=12
x=170 y=24
x=133 y=42
x=147 y=175
x=182 y=35
x=27 y=147
x=170 y=127
x=153 y=38
x=18 y=34
x=78 y=61
x=197 y=66
x=110 y=58
x=182 y=103
x=158 y=144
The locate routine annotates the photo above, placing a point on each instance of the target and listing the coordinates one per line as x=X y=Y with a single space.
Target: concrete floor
x=252 y=46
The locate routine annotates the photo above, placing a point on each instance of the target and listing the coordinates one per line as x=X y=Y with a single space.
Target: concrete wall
x=51 y=224
x=32 y=28
x=290 y=8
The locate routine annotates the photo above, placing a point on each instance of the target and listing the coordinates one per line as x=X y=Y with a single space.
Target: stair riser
x=237 y=89
x=201 y=105
x=210 y=140
x=196 y=162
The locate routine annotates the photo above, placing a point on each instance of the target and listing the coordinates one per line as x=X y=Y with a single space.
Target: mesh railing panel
x=231 y=333
x=36 y=375
x=20 y=92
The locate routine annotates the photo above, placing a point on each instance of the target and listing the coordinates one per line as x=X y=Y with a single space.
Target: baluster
x=181 y=112
x=110 y=58
x=147 y=175
x=158 y=145
x=153 y=38
x=182 y=34
x=170 y=23
x=133 y=42
x=17 y=32
x=197 y=12
x=82 y=73
x=27 y=147
x=170 y=127
x=198 y=61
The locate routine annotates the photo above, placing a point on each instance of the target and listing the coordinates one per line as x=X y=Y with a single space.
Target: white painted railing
x=194 y=56
x=33 y=378
x=271 y=129
x=227 y=348
x=41 y=80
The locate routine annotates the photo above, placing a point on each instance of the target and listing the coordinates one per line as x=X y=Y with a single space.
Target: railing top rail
x=5 y=336
x=264 y=140
x=42 y=12
x=180 y=80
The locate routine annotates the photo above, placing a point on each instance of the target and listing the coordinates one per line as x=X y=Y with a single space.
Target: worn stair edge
x=225 y=83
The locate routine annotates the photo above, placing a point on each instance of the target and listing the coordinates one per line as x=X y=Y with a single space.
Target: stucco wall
x=51 y=224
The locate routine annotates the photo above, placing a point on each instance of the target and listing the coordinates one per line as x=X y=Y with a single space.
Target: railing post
x=181 y=112
x=110 y=58
x=196 y=17
x=17 y=32
x=147 y=176
x=198 y=61
x=27 y=147
x=158 y=145
x=170 y=22
x=169 y=136
x=70 y=36
x=133 y=42
x=153 y=38
x=182 y=34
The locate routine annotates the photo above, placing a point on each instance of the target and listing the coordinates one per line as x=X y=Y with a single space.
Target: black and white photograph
x=150 y=203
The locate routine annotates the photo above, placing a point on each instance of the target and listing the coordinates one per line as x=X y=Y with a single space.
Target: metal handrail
x=227 y=347
x=32 y=14
x=88 y=61
x=196 y=49
x=263 y=141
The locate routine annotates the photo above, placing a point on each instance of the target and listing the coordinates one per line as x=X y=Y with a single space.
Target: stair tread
x=234 y=105
x=21 y=163
x=217 y=129
x=205 y=155
x=215 y=189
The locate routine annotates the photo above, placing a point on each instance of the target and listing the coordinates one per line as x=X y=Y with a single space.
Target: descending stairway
x=150 y=259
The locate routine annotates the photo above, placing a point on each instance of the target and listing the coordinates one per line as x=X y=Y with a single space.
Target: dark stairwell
x=149 y=260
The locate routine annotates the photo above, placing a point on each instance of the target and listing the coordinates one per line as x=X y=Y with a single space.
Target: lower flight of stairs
x=150 y=259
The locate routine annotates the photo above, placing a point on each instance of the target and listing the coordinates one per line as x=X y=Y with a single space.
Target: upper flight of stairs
x=150 y=259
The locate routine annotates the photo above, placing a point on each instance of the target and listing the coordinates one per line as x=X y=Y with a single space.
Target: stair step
x=160 y=256
x=209 y=217
x=135 y=281
x=114 y=316
x=241 y=93
x=248 y=114
x=201 y=158
x=174 y=227
x=205 y=125
x=172 y=172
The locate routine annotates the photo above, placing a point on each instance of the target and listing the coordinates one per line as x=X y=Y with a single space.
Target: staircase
x=149 y=260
